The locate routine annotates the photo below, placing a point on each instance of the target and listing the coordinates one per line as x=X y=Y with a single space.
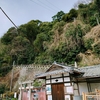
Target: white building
x=68 y=82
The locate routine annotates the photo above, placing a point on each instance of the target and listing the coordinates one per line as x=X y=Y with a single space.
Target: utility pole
x=12 y=76
x=8 y=18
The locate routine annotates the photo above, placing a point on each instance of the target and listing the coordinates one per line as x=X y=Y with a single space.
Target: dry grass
x=94 y=34
x=89 y=58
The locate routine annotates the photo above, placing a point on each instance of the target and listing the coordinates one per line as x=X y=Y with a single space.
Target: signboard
x=48 y=89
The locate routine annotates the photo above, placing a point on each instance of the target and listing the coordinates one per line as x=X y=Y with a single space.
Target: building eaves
x=61 y=71
x=53 y=73
x=91 y=71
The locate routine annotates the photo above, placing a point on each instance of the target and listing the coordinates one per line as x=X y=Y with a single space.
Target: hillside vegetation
x=70 y=37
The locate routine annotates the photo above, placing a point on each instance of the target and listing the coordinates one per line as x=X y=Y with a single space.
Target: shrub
x=88 y=43
x=93 y=21
x=2 y=88
x=97 y=48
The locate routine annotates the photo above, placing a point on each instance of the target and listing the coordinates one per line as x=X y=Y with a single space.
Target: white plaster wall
x=59 y=80
x=47 y=81
x=95 y=86
x=57 y=75
x=67 y=97
x=75 y=89
x=66 y=79
x=83 y=88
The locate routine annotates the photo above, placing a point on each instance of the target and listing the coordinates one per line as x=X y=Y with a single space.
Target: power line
x=43 y=6
x=53 y=5
x=47 y=5
x=8 y=18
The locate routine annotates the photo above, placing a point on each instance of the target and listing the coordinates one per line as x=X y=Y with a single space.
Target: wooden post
x=29 y=92
x=83 y=95
x=97 y=93
x=20 y=95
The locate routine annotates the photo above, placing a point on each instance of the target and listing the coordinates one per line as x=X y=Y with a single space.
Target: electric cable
x=9 y=18
x=43 y=6
x=53 y=5
x=47 y=5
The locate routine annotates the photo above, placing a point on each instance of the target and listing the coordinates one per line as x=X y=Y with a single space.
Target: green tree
x=9 y=36
x=70 y=16
x=97 y=2
x=21 y=50
x=37 y=83
x=93 y=21
x=58 y=16
x=2 y=88
x=38 y=43
x=30 y=30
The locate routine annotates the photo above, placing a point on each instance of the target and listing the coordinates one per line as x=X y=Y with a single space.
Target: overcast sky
x=23 y=11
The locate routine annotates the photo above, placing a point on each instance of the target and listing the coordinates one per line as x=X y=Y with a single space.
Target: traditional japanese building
x=65 y=82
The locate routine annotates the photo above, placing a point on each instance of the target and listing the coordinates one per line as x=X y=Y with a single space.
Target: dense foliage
x=2 y=88
x=42 y=42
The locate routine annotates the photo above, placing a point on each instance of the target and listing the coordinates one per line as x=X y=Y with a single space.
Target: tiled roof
x=87 y=72
x=65 y=69
x=91 y=71
x=68 y=67
x=52 y=73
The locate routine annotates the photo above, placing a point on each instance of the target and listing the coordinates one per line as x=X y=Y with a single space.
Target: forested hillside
x=69 y=37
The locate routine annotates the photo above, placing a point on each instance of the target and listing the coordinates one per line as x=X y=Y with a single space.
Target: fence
x=92 y=95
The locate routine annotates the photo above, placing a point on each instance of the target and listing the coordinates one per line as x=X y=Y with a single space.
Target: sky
x=23 y=11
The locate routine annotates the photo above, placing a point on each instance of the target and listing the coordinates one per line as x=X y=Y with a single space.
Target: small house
x=65 y=82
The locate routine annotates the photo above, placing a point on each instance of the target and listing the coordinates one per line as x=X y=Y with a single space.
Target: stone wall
x=27 y=72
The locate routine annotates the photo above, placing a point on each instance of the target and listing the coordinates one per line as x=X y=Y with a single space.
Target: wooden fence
x=92 y=95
